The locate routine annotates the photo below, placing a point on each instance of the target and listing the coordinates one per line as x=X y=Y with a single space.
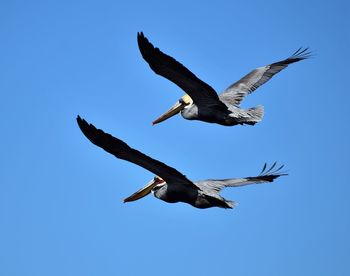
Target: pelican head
x=156 y=182
x=176 y=108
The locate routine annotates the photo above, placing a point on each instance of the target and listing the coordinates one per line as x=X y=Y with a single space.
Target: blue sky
x=61 y=209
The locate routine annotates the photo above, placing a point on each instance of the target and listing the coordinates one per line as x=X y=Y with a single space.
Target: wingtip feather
x=271 y=173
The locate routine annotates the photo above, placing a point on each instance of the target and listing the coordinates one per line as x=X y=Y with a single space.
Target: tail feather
x=231 y=204
x=255 y=114
x=251 y=116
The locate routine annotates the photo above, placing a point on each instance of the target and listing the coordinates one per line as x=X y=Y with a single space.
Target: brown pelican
x=201 y=102
x=169 y=184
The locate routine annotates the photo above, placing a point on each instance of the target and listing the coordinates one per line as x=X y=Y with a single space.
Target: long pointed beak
x=176 y=108
x=142 y=192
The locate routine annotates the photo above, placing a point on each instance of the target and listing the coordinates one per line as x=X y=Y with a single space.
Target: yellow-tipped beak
x=176 y=108
x=142 y=192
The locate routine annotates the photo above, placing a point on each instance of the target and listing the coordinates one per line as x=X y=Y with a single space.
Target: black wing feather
x=169 y=68
x=121 y=150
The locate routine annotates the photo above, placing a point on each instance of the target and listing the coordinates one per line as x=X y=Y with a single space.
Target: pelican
x=169 y=184
x=201 y=102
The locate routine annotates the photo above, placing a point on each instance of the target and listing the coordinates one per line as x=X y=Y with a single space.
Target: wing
x=235 y=93
x=167 y=67
x=122 y=151
x=265 y=176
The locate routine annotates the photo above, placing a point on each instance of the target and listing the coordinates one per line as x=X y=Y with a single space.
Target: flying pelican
x=169 y=184
x=201 y=102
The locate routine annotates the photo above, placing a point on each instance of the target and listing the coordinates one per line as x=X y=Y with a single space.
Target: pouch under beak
x=142 y=192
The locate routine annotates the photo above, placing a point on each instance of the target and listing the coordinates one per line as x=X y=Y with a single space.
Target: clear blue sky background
x=61 y=210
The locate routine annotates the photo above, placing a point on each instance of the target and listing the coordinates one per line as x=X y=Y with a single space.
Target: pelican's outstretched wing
x=167 y=67
x=266 y=175
x=122 y=151
x=235 y=93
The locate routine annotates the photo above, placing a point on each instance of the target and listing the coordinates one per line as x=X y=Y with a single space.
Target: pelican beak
x=176 y=108
x=142 y=192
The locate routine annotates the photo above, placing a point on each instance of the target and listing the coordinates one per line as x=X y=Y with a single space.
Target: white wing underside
x=218 y=185
x=213 y=186
x=236 y=92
